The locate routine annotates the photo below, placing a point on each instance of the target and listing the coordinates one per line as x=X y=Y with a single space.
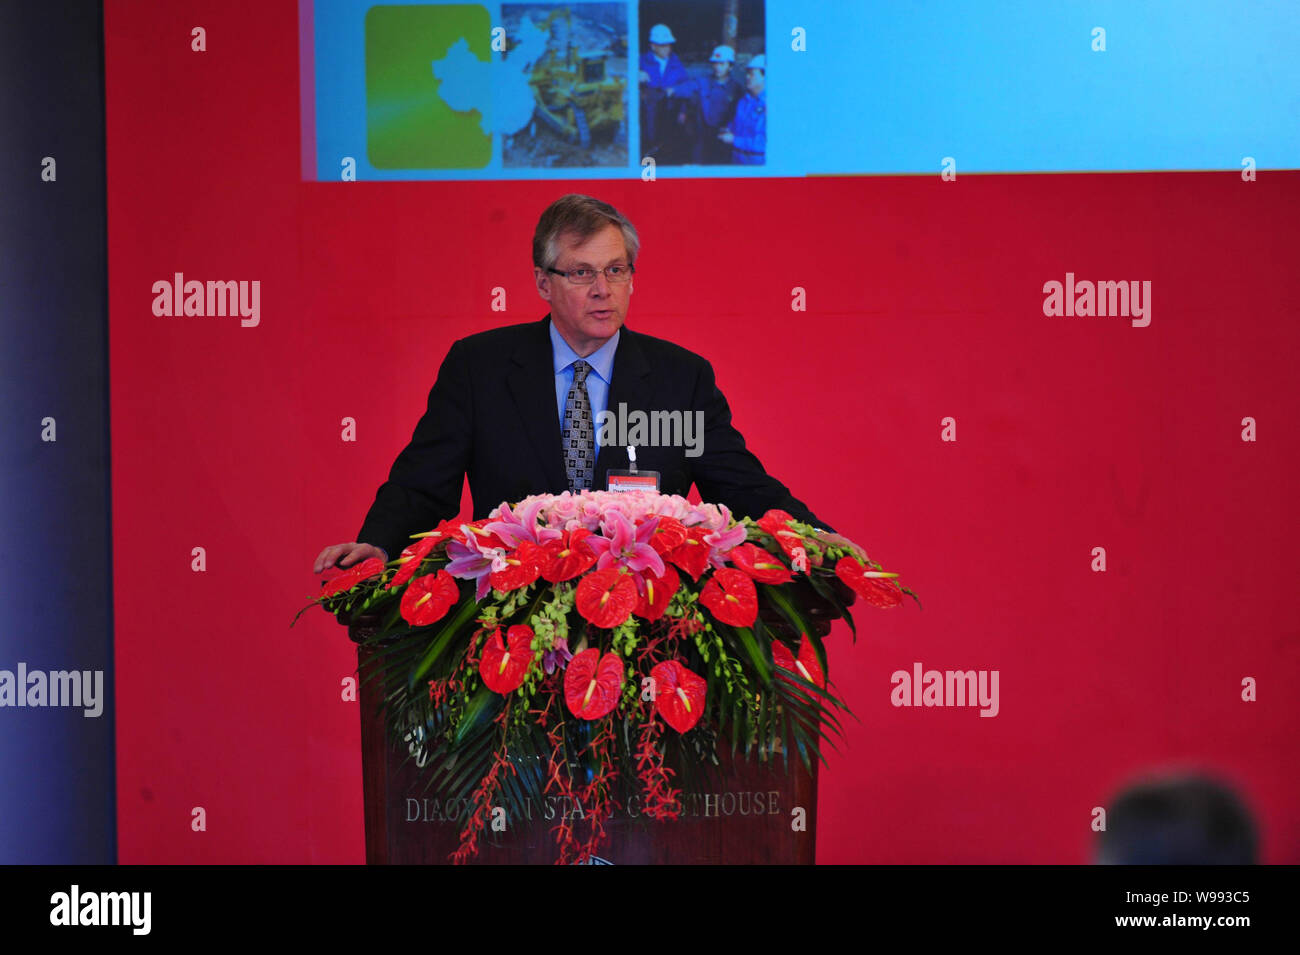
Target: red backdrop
x=924 y=301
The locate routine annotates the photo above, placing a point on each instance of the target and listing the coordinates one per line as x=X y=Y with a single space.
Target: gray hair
x=582 y=216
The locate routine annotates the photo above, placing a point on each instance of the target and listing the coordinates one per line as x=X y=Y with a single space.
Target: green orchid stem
x=537 y=603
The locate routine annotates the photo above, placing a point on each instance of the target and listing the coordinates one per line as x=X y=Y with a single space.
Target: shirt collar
x=601 y=360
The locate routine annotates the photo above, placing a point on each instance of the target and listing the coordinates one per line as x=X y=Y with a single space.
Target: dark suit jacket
x=491 y=414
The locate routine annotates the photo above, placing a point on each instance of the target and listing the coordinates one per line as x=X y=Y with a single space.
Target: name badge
x=631 y=479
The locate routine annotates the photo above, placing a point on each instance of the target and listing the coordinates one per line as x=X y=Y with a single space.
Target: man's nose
x=601 y=285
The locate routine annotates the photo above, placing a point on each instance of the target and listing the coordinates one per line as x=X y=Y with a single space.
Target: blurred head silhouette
x=1186 y=819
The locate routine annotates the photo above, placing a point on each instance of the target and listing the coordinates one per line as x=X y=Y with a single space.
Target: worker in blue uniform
x=748 y=132
x=662 y=77
x=716 y=96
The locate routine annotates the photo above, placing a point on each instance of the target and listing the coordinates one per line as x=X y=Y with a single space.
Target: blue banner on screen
x=712 y=88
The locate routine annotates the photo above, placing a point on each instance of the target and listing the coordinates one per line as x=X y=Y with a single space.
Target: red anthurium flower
x=484 y=537
x=504 y=665
x=420 y=549
x=807 y=666
x=411 y=559
x=873 y=586
x=653 y=593
x=592 y=683
x=692 y=554
x=428 y=598
x=353 y=576
x=774 y=522
x=523 y=566
x=731 y=595
x=763 y=566
x=606 y=597
x=679 y=694
x=567 y=556
x=446 y=531
x=669 y=534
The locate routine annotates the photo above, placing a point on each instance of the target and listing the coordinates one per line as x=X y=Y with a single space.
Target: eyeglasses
x=614 y=273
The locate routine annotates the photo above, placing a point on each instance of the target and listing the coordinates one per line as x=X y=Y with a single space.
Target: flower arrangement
x=569 y=640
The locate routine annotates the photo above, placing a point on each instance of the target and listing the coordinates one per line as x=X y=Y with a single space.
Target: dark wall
x=57 y=799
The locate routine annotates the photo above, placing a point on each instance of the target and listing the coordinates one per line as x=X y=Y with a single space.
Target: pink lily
x=626 y=546
x=469 y=561
x=514 y=527
x=721 y=541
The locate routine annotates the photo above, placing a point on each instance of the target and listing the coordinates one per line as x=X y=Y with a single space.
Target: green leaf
x=477 y=715
x=391 y=620
x=782 y=602
x=742 y=639
x=465 y=771
x=464 y=614
x=827 y=593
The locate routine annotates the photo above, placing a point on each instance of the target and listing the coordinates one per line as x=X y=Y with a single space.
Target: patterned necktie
x=578 y=432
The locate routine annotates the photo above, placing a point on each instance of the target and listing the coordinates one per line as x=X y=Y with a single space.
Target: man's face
x=587 y=316
x=721 y=69
x=754 y=81
x=662 y=50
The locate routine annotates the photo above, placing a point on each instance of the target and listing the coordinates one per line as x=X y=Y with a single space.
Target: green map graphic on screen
x=428 y=86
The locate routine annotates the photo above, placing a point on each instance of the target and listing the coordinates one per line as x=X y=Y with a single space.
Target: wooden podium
x=749 y=817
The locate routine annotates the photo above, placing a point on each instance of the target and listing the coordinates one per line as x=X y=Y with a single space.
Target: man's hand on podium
x=839 y=540
x=345 y=555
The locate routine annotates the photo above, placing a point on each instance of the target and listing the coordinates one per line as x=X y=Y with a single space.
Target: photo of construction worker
x=692 y=77
x=748 y=132
x=662 y=79
x=717 y=96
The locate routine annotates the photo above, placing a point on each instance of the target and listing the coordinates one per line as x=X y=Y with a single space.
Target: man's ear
x=543 y=281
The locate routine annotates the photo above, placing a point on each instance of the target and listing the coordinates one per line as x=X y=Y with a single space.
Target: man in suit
x=496 y=409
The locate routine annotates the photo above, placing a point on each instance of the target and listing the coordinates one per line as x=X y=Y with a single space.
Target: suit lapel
x=631 y=386
x=532 y=386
